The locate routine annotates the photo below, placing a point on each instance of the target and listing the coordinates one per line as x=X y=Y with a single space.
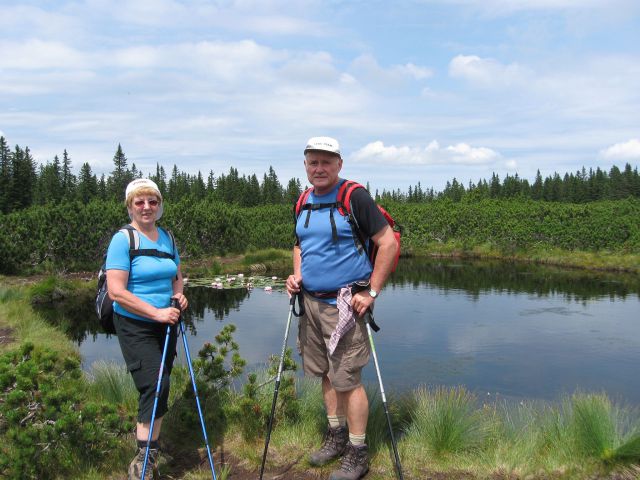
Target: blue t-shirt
x=328 y=265
x=150 y=278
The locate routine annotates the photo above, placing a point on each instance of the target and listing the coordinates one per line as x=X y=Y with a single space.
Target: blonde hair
x=142 y=191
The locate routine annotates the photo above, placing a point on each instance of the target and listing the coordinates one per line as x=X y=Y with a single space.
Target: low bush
x=48 y=427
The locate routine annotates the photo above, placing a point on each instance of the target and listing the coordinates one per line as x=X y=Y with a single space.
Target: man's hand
x=361 y=302
x=293 y=284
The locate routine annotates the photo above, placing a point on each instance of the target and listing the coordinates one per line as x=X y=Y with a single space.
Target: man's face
x=323 y=169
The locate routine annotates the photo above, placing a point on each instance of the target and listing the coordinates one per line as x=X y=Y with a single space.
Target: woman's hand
x=182 y=301
x=168 y=315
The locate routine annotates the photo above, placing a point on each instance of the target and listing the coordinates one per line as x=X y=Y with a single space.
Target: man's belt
x=332 y=294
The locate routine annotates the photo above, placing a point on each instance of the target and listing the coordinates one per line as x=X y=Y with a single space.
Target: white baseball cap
x=326 y=144
x=145 y=183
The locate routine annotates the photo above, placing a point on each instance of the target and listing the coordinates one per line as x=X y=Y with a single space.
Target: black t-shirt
x=370 y=219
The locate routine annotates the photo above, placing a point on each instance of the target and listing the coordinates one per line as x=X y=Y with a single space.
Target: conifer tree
x=103 y=191
x=5 y=175
x=50 y=188
x=293 y=191
x=536 y=188
x=87 y=184
x=211 y=183
x=161 y=179
x=23 y=179
x=198 y=189
x=271 y=188
x=494 y=186
x=120 y=176
x=252 y=195
x=68 y=179
x=134 y=172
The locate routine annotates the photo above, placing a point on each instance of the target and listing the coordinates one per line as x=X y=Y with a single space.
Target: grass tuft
x=111 y=382
x=447 y=421
x=592 y=425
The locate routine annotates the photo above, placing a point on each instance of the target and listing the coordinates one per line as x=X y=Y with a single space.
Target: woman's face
x=144 y=208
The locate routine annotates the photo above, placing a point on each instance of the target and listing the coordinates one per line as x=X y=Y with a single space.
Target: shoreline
x=280 y=260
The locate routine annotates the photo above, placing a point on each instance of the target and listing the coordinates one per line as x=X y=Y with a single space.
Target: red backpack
x=343 y=205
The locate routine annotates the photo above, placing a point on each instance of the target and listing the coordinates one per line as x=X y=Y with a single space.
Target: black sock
x=153 y=445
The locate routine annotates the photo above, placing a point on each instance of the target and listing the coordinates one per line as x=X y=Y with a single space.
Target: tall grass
x=592 y=426
x=112 y=382
x=447 y=420
x=27 y=326
x=7 y=294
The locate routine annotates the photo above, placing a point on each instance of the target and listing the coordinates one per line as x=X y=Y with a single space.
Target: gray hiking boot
x=333 y=445
x=354 y=465
x=135 y=467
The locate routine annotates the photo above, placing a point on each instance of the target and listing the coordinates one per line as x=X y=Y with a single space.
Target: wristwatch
x=373 y=294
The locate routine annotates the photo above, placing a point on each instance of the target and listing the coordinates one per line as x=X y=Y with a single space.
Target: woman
x=141 y=288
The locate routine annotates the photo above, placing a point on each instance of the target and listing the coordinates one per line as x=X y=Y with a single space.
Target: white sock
x=336 y=421
x=357 y=440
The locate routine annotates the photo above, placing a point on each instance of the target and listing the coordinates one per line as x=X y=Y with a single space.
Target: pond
x=513 y=330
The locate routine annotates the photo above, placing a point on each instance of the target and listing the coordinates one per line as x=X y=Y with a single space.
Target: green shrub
x=214 y=373
x=48 y=428
x=75 y=235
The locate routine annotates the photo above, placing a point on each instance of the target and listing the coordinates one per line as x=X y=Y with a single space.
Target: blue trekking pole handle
x=155 y=400
x=175 y=304
x=277 y=388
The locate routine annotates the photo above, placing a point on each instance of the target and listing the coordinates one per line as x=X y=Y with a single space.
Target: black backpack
x=104 y=304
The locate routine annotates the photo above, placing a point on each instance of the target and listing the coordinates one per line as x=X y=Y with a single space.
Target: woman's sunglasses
x=140 y=203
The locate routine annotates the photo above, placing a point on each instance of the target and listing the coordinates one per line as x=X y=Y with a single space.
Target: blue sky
x=413 y=90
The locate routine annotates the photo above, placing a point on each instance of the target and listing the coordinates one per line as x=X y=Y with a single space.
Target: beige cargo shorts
x=344 y=367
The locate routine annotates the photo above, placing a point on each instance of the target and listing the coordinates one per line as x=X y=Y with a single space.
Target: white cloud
x=629 y=150
x=512 y=6
x=411 y=70
x=310 y=67
x=367 y=69
x=35 y=54
x=486 y=72
x=257 y=17
x=432 y=154
x=511 y=164
x=17 y=20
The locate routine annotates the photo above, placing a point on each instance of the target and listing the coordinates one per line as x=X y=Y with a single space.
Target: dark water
x=498 y=328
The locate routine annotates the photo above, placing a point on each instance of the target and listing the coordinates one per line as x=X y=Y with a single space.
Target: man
x=326 y=264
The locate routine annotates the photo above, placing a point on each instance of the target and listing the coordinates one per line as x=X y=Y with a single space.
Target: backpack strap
x=342 y=204
x=302 y=199
x=136 y=251
x=133 y=235
x=344 y=196
x=173 y=240
x=345 y=208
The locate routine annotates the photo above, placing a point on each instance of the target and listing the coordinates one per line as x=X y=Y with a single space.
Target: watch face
x=373 y=293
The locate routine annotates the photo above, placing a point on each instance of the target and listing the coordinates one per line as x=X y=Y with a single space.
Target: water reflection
x=484 y=276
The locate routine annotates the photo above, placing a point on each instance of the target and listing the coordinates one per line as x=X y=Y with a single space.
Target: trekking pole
x=280 y=366
x=175 y=304
x=155 y=400
x=369 y=322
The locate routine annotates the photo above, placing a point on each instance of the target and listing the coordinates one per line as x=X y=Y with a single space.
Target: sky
x=414 y=90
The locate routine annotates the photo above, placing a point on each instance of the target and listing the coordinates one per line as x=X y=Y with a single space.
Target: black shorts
x=142 y=344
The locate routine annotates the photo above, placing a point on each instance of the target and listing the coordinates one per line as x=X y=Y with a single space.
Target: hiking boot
x=135 y=467
x=333 y=445
x=354 y=465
